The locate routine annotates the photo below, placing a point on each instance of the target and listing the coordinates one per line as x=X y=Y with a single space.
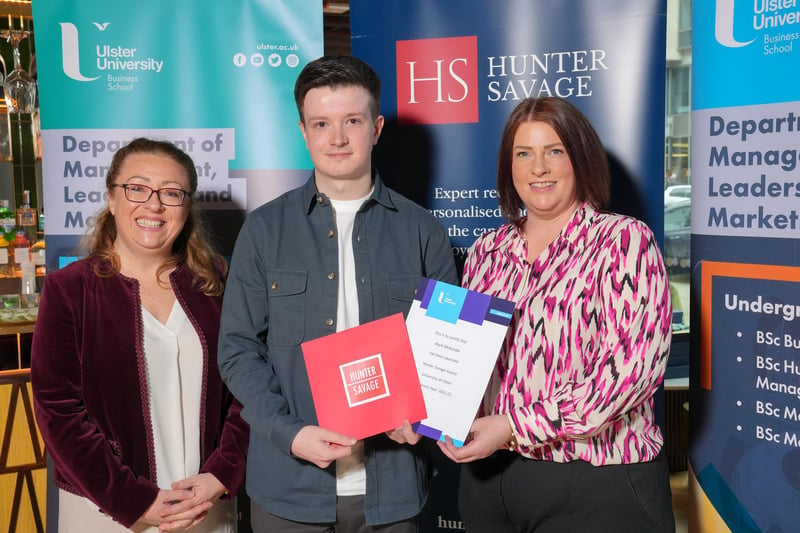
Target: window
x=678 y=90
x=677 y=161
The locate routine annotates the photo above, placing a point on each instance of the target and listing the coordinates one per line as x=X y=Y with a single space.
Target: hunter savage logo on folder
x=364 y=379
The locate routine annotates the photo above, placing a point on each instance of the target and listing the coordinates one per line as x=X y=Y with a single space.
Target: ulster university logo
x=770 y=23
x=120 y=65
x=723 y=25
x=70 y=54
x=437 y=80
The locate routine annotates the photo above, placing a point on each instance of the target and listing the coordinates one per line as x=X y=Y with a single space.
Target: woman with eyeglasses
x=141 y=431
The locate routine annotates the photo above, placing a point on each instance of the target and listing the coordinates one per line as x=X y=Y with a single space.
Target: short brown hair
x=338 y=71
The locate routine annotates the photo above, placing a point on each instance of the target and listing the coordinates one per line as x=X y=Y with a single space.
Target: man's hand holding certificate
x=456 y=335
x=363 y=379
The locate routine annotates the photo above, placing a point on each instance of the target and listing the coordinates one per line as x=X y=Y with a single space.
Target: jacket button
x=329 y=321
x=331 y=275
x=274 y=285
x=319 y=199
x=330 y=234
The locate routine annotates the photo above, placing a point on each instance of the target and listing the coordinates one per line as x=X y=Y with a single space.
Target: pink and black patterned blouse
x=589 y=341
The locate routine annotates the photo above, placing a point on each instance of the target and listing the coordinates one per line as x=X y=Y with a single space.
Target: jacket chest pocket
x=286 y=292
x=401 y=291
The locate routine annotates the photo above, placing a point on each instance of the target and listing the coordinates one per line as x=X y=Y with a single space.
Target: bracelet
x=512 y=444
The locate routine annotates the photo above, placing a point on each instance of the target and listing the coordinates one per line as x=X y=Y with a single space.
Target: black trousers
x=508 y=493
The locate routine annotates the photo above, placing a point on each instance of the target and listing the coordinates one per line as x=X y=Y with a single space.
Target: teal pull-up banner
x=214 y=77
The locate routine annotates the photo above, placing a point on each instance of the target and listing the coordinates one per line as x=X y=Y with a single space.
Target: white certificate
x=456 y=335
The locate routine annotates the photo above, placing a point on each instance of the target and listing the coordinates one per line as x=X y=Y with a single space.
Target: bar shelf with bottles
x=23 y=472
x=22 y=259
x=22 y=263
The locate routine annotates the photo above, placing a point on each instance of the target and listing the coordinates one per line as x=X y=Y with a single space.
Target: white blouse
x=174 y=362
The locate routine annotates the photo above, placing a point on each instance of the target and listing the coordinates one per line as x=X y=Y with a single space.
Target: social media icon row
x=273 y=60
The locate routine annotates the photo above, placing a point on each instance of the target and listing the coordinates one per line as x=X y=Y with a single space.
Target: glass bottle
x=40 y=231
x=28 y=296
x=27 y=218
x=22 y=249
x=7 y=221
x=38 y=248
x=4 y=259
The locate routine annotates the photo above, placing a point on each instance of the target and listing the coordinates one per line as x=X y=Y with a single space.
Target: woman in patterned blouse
x=566 y=439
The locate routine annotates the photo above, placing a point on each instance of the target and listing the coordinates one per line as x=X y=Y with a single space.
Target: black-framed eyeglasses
x=141 y=193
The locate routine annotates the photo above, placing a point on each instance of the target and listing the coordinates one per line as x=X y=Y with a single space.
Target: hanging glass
x=20 y=87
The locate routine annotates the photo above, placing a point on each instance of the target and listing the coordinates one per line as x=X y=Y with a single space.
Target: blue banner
x=452 y=71
x=744 y=449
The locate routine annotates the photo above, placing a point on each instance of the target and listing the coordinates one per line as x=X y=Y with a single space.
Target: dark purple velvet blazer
x=91 y=397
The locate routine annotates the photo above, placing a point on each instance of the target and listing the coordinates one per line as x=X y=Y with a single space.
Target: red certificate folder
x=364 y=379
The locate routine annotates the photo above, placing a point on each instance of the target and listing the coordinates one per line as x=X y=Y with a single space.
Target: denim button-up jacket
x=282 y=291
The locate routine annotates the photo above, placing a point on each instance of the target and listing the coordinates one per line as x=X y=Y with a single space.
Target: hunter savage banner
x=214 y=77
x=745 y=379
x=452 y=71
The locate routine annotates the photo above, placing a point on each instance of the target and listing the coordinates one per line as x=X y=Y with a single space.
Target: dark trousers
x=349 y=519
x=508 y=493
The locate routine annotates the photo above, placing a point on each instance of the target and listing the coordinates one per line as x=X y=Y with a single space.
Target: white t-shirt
x=351 y=478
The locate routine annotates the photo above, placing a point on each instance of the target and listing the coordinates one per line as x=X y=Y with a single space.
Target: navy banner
x=452 y=71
